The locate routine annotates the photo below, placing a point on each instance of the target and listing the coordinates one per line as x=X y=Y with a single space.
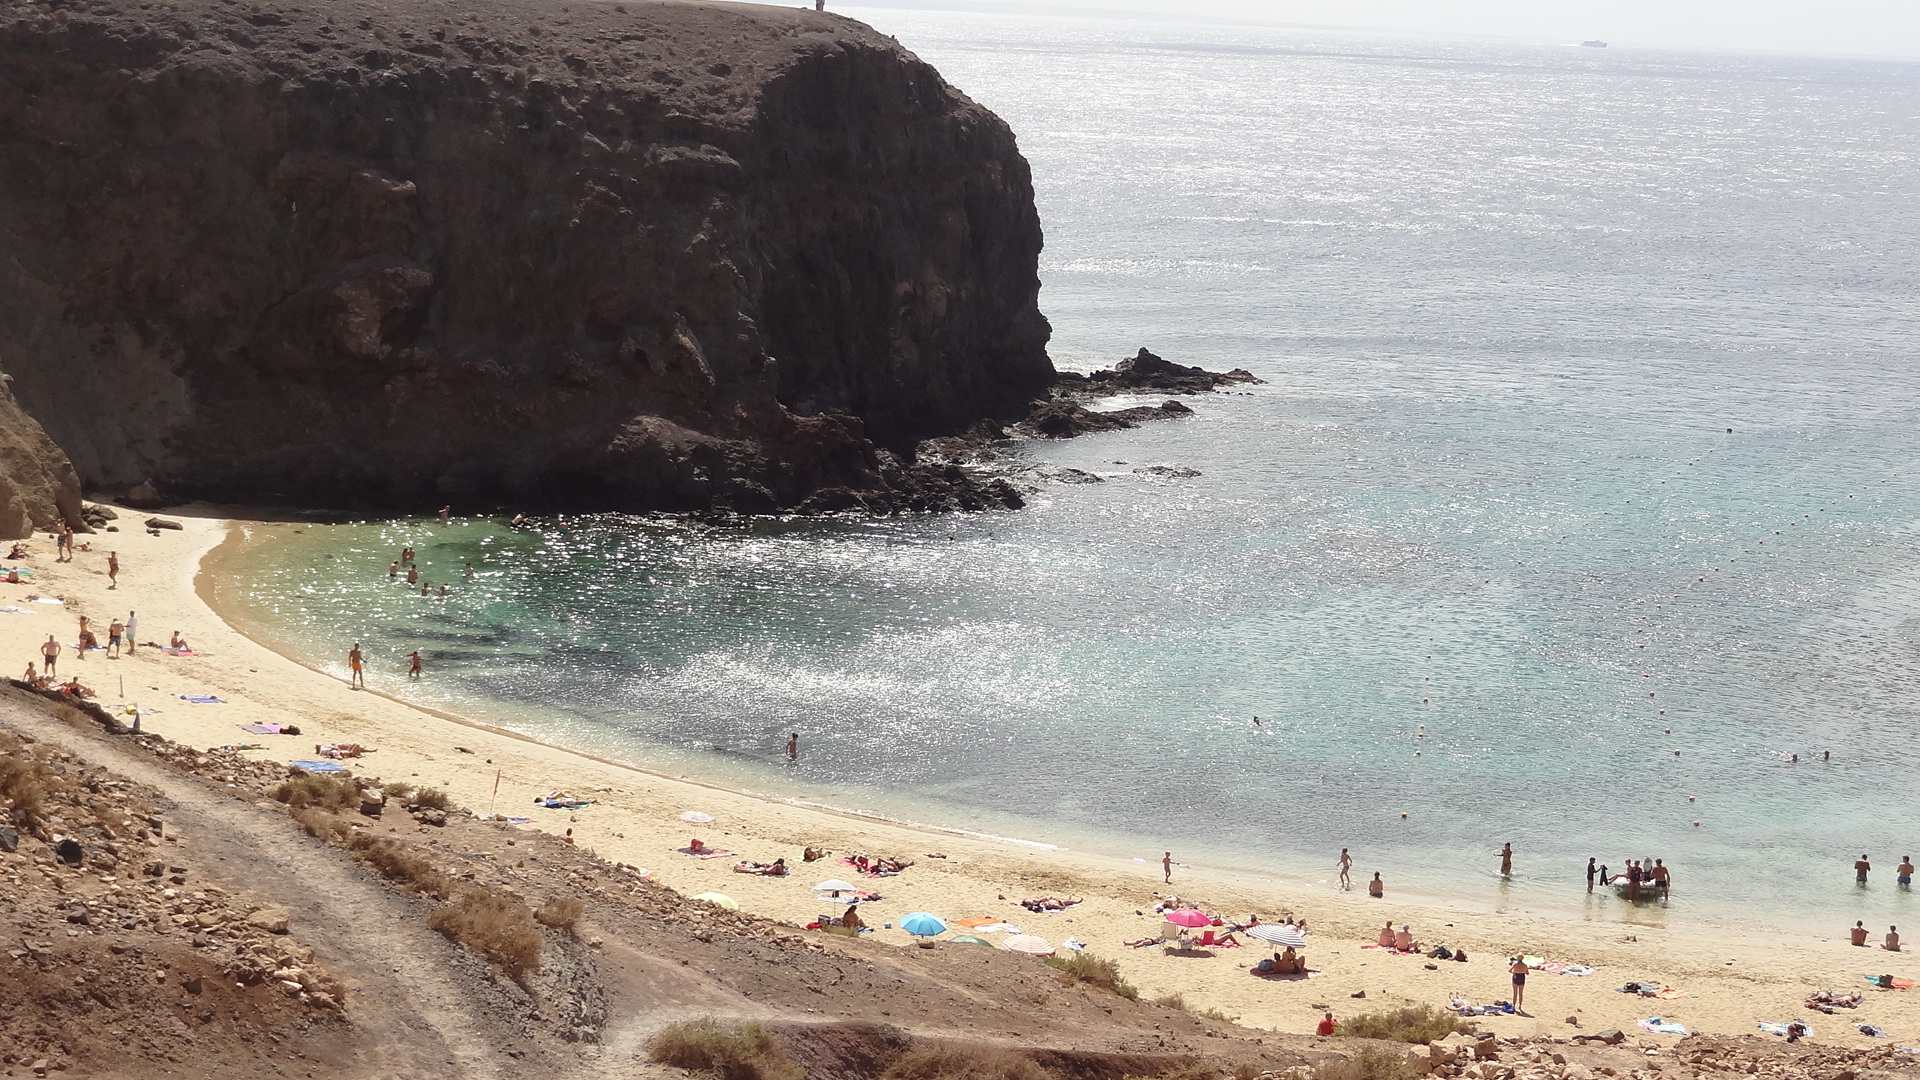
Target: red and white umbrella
x=1027 y=943
x=1189 y=917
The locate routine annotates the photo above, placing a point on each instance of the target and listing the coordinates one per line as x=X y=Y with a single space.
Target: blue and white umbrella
x=922 y=924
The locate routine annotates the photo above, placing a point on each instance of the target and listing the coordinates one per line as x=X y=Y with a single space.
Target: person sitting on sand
x=18 y=551
x=13 y=577
x=1376 y=888
x=1289 y=963
x=1326 y=1025
x=1403 y=940
x=1892 y=943
x=1385 y=938
x=177 y=643
x=851 y=919
x=695 y=846
x=73 y=687
x=1858 y=934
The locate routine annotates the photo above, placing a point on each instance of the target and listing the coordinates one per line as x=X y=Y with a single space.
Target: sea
x=1578 y=507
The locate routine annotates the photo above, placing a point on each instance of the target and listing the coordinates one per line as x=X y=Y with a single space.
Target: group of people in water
x=1648 y=877
x=407 y=560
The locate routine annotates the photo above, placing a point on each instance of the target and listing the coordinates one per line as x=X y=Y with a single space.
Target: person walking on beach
x=1376 y=888
x=358 y=678
x=1903 y=874
x=413 y=664
x=1591 y=871
x=113 y=569
x=1166 y=867
x=1860 y=869
x=1506 y=860
x=793 y=745
x=51 y=651
x=1519 y=969
x=63 y=544
x=1346 y=868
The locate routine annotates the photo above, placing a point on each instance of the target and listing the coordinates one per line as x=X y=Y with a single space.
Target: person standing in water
x=413 y=664
x=469 y=569
x=1506 y=861
x=1591 y=871
x=1860 y=869
x=355 y=662
x=393 y=569
x=1346 y=869
x=1903 y=874
x=793 y=746
x=446 y=514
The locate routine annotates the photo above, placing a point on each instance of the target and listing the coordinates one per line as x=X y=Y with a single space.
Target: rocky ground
x=174 y=911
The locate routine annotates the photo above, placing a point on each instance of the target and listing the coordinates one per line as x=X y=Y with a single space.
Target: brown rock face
x=589 y=255
x=38 y=487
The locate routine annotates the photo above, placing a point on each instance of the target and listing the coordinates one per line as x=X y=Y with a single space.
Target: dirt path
x=422 y=1006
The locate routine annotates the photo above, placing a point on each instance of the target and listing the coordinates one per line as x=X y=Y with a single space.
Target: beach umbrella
x=696 y=817
x=1027 y=943
x=719 y=900
x=1278 y=934
x=969 y=939
x=922 y=924
x=835 y=885
x=1189 y=917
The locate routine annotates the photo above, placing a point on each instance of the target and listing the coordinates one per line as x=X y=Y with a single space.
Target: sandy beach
x=1726 y=983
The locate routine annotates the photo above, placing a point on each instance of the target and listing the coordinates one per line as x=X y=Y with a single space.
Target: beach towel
x=45 y=600
x=510 y=820
x=1577 y=969
x=1666 y=1027
x=319 y=766
x=260 y=729
x=1669 y=993
x=200 y=699
x=12 y=610
x=985 y=920
x=994 y=928
x=1888 y=982
x=1870 y=1031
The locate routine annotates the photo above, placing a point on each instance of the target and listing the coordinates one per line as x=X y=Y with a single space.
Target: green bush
x=1413 y=1024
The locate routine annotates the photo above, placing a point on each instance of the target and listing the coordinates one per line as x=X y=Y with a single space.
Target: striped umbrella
x=1278 y=934
x=1027 y=943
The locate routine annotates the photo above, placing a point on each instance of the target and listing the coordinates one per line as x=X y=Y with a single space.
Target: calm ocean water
x=1590 y=413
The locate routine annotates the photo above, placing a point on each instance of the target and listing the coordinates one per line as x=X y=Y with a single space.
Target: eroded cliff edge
x=612 y=255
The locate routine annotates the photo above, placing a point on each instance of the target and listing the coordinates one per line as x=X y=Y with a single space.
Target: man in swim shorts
x=50 y=650
x=115 y=629
x=1860 y=869
x=358 y=678
x=1903 y=874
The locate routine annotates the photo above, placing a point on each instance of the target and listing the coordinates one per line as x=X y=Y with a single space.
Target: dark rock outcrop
x=38 y=487
x=1147 y=372
x=593 y=256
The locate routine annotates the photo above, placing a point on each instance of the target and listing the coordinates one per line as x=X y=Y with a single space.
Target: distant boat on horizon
x=1593 y=44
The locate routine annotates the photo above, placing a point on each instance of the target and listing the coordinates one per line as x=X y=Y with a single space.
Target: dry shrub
x=400 y=862
x=726 y=1051
x=1371 y=1063
x=431 y=797
x=1094 y=971
x=1246 y=1070
x=1412 y=1024
x=1189 y=1070
x=25 y=782
x=324 y=791
x=497 y=927
x=1176 y=1002
x=323 y=824
x=398 y=791
x=964 y=1061
x=560 y=912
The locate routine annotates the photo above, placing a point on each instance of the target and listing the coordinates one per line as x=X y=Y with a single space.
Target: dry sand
x=1729 y=981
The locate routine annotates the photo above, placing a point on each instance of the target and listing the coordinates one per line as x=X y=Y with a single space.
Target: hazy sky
x=1869 y=27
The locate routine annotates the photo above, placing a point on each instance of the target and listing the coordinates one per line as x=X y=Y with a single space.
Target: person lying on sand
x=814 y=854
x=1049 y=903
x=776 y=868
x=560 y=800
x=339 y=751
x=1826 y=1001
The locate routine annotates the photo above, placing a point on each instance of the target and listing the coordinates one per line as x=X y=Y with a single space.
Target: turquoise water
x=1589 y=414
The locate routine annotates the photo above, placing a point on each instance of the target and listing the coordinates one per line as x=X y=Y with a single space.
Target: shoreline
x=1733 y=978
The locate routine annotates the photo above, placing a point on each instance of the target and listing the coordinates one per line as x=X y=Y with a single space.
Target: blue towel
x=200 y=699
x=319 y=766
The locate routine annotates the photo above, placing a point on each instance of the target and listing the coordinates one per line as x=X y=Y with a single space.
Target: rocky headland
x=626 y=256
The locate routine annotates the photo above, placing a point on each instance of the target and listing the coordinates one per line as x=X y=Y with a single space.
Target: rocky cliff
x=592 y=254
x=38 y=487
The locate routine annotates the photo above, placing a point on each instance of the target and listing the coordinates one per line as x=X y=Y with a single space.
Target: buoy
x=1676 y=753
x=1696 y=824
x=1669 y=731
x=1689 y=798
x=1403 y=813
x=1426 y=699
